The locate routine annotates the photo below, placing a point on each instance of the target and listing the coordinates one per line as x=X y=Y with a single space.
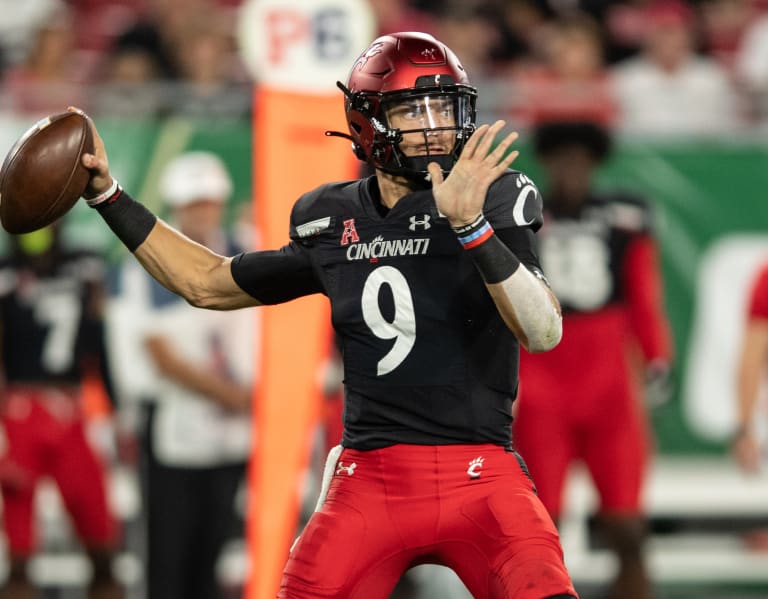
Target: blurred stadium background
x=709 y=522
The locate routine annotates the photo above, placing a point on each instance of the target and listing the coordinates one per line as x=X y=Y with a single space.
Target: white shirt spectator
x=668 y=89
x=752 y=58
x=696 y=98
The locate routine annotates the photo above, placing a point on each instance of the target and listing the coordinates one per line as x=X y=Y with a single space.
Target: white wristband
x=93 y=202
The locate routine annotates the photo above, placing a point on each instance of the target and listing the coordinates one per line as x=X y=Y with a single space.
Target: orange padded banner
x=291 y=156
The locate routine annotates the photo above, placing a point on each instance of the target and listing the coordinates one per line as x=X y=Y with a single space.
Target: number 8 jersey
x=427 y=357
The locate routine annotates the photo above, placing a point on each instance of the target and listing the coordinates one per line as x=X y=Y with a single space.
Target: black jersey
x=584 y=255
x=427 y=357
x=48 y=322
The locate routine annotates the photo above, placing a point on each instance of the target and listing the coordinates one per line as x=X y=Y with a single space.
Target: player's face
x=420 y=120
x=199 y=219
x=570 y=171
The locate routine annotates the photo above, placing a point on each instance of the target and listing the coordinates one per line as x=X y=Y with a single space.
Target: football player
x=52 y=331
x=746 y=443
x=580 y=401
x=434 y=283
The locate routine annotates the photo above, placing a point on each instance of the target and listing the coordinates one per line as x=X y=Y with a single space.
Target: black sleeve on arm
x=276 y=276
x=522 y=242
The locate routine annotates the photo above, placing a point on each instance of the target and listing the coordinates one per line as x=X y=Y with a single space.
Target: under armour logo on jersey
x=350 y=233
x=475 y=466
x=428 y=53
x=348 y=470
x=416 y=223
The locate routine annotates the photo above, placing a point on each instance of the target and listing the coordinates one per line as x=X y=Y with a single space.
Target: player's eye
x=413 y=111
x=444 y=107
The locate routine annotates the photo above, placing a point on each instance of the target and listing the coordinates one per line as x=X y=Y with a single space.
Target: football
x=42 y=176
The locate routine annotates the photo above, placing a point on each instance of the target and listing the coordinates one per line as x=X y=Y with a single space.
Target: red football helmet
x=401 y=68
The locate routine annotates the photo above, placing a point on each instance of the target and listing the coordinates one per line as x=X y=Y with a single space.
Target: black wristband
x=494 y=260
x=128 y=219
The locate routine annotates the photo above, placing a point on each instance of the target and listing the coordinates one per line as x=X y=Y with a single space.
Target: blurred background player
x=753 y=359
x=580 y=401
x=749 y=438
x=195 y=433
x=52 y=333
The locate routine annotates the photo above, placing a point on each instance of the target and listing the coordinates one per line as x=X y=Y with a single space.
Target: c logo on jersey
x=416 y=223
x=350 y=233
x=518 y=212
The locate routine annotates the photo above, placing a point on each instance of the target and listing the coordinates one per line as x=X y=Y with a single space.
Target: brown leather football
x=42 y=176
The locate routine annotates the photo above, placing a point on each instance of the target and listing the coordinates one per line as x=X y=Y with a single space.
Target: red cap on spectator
x=669 y=12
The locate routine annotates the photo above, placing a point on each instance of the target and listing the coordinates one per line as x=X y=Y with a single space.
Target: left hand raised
x=460 y=196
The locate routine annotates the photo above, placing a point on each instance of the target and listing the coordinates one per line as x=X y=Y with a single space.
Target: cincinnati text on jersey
x=379 y=248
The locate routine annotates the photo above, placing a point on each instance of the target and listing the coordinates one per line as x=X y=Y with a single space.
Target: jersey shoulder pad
x=314 y=211
x=514 y=201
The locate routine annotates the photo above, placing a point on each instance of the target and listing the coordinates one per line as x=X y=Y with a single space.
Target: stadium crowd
x=654 y=67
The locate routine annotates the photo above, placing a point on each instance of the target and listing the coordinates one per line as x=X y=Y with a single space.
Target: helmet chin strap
x=414 y=168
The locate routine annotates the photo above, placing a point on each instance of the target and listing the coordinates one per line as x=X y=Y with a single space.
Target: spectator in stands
x=580 y=402
x=212 y=83
x=570 y=79
x=147 y=36
x=520 y=25
x=752 y=368
x=19 y=24
x=468 y=27
x=668 y=89
x=724 y=23
x=160 y=29
x=192 y=372
x=399 y=15
x=131 y=85
x=751 y=67
x=50 y=76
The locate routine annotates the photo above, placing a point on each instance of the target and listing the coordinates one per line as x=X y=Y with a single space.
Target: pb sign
x=303 y=45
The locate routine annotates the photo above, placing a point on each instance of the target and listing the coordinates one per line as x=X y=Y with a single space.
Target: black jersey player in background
x=434 y=283
x=582 y=402
x=51 y=332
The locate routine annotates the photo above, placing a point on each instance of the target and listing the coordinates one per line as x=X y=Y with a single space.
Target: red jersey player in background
x=751 y=371
x=580 y=401
x=51 y=324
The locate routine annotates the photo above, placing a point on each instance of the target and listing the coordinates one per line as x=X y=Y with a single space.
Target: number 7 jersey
x=427 y=357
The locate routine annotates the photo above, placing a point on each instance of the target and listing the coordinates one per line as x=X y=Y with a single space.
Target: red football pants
x=469 y=507
x=45 y=436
